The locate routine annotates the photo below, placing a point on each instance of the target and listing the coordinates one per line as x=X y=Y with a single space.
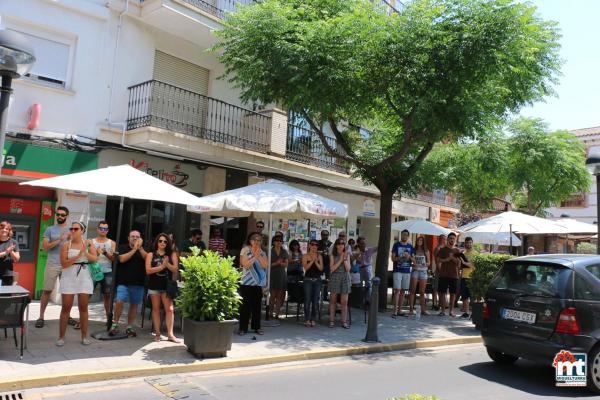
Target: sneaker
x=60 y=342
x=465 y=315
x=113 y=330
x=130 y=332
x=442 y=314
x=86 y=342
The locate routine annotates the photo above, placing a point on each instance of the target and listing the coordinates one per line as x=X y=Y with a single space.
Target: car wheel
x=500 y=357
x=594 y=369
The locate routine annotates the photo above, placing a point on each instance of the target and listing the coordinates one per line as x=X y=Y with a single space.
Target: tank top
x=421 y=260
x=313 y=271
x=104 y=261
x=340 y=269
x=158 y=281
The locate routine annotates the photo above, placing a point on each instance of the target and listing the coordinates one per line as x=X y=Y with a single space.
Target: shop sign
x=368 y=208
x=30 y=161
x=434 y=215
x=16 y=206
x=182 y=175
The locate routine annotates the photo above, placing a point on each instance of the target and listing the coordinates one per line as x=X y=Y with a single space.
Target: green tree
x=546 y=167
x=436 y=70
x=526 y=162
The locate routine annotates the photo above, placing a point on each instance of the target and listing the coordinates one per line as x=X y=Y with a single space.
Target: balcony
x=157 y=104
x=218 y=8
x=440 y=197
x=303 y=145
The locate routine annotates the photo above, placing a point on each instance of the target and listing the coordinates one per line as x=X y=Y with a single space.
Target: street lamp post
x=16 y=59
x=593 y=165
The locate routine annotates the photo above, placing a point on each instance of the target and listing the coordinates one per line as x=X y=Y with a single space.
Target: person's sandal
x=39 y=323
x=113 y=330
x=173 y=339
x=77 y=326
x=307 y=324
x=332 y=324
x=259 y=331
x=157 y=337
x=313 y=324
x=241 y=333
x=130 y=332
x=345 y=326
x=72 y=321
x=86 y=342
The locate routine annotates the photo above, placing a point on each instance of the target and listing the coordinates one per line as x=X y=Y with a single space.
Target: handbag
x=172 y=289
x=95 y=271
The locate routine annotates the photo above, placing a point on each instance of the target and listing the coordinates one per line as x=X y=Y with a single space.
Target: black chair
x=12 y=309
x=295 y=294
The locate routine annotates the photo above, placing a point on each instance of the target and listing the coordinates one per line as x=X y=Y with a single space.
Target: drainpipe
x=114 y=66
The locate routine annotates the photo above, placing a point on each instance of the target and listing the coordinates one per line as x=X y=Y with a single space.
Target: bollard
x=372 y=321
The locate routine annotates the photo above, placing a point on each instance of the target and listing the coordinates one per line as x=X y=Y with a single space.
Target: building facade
x=132 y=82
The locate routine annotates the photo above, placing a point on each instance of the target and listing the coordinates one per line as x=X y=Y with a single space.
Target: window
x=52 y=60
x=537 y=280
x=594 y=270
x=584 y=290
x=576 y=200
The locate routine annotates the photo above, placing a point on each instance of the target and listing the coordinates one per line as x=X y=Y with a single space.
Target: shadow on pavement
x=526 y=376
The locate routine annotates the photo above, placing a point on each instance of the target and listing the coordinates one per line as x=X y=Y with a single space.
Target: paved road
x=453 y=372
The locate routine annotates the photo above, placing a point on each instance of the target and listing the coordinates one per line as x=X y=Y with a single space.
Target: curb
x=215 y=364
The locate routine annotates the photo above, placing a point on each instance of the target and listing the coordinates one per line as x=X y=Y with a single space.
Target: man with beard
x=54 y=237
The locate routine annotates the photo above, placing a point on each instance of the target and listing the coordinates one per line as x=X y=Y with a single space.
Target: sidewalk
x=45 y=364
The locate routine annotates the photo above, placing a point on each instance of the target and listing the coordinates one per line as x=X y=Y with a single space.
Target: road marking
x=177 y=388
x=72 y=392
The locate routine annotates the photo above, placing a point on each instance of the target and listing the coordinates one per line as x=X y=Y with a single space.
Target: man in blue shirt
x=403 y=256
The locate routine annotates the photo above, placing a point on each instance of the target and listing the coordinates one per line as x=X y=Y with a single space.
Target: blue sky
x=578 y=102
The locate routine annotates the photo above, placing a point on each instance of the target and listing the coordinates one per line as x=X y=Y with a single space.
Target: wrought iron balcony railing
x=157 y=104
x=303 y=145
x=218 y=8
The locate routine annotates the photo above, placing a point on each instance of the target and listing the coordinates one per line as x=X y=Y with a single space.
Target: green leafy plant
x=211 y=287
x=486 y=266
x=415 y=397
x=586 y=248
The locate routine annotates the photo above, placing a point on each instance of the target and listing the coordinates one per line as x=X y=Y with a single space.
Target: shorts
x=419 y=274
x=465 y=293
x=446 y=284
x=156 y=292
x=51 y=274
x=401 y=280
x=105 y=283
x=131 y=294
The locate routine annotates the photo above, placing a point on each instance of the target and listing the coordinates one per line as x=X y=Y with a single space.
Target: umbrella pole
x=103 y=335
x=268 y=322
x=510 y=238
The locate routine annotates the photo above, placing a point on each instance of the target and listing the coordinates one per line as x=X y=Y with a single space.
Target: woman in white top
x=76 y=279
x=419 y=275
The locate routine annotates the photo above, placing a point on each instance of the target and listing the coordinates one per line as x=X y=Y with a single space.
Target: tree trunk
x=383 y=248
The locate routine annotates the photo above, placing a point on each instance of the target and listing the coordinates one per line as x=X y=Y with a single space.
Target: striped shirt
x=256 y=275
x=218 y=245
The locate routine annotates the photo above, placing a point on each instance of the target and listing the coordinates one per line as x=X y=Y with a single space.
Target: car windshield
x=532 y=279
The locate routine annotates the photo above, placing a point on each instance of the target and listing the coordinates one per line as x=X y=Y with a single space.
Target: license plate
x=520 y=316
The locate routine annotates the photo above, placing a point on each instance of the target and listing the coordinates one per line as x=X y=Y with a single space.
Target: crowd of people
x=326 y=271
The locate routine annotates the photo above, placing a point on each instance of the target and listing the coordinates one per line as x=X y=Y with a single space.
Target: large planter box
x=477 y=315
x=208 y=339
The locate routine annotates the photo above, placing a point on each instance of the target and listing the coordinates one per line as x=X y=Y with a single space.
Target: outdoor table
x=13 y=290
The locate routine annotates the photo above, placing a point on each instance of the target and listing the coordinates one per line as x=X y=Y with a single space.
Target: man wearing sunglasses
x=54 y=237
x=106 y=250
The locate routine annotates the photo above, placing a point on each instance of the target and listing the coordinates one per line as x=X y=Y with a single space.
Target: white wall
x=82 y=24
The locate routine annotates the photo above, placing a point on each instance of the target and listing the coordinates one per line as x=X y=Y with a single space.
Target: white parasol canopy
x=420 y=226
x=512 y=221
x=574 y=226
x=270 y=197
x=498 y=238
x=120 y=180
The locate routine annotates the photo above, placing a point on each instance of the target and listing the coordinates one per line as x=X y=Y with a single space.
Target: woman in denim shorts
x=419 y=275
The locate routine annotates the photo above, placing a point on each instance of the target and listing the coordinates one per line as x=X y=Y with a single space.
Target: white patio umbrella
x=267 y=198
x=513 y=222
x=123 y=181
x=421 y=227
x=573 y=226
x=498 y=238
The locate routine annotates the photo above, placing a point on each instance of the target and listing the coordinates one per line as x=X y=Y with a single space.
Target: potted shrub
x=209 y=303
x=486 y=267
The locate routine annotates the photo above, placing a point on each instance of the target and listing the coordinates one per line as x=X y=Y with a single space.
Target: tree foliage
x=526 y=163
x=437 y=70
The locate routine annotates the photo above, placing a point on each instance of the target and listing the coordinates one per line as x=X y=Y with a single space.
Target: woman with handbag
x=75 y=255
x=162 y=268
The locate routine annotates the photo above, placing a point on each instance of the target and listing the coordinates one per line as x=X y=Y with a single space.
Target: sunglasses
x=74 y=229
x=103 y=229
x=61 y=215
x=314 y=244
x=162 y=241
x=260 y=226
